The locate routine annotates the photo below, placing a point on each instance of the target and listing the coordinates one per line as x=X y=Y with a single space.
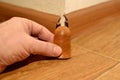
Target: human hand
x=20 y=37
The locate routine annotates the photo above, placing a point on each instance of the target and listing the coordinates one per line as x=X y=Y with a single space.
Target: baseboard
x=48 y=20
x=78 y=19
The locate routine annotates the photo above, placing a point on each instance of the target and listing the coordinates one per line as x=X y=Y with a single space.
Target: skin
x=20 y=37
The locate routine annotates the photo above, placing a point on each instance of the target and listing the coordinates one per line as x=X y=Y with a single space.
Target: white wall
x=58 y=7
x=49 y=6
x=72 y=5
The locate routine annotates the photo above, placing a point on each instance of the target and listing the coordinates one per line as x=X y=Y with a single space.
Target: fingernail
x=57 y=51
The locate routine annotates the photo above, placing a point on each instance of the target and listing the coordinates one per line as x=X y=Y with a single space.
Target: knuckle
x=18 y=19
x=15 y=18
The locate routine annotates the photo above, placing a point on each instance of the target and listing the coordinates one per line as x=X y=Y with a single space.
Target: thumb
x=44 y=48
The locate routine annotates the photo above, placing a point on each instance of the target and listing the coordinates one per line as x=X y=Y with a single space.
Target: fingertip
x=57 y=51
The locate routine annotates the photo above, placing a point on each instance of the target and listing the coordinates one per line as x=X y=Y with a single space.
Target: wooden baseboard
x=78 y=19
x=48 y=20
x=75 y=20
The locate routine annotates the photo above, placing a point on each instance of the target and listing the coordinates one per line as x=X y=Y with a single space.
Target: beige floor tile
x=113 y=74
x=84 y=65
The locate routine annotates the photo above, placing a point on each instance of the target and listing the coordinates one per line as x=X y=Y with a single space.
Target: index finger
x=38 y=30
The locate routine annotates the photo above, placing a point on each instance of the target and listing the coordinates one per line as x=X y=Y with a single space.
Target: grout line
x=107 y=70
x=101 y=54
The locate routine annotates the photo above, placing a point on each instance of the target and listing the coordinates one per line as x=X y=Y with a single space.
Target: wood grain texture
x=95 y=52
x=113 y=74
x=48 y=20
x=84 y=65
x=77 y=19
x=103 y=38
x=117 y=3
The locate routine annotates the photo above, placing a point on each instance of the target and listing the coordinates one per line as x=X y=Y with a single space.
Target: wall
x=57 y=7
x=72 y=5
x=49 y=6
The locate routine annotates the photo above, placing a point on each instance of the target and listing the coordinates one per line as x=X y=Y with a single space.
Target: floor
x=95 y=56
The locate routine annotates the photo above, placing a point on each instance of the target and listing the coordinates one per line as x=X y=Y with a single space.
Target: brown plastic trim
x=117 y=3
x=48 y=20
x=76 y=20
